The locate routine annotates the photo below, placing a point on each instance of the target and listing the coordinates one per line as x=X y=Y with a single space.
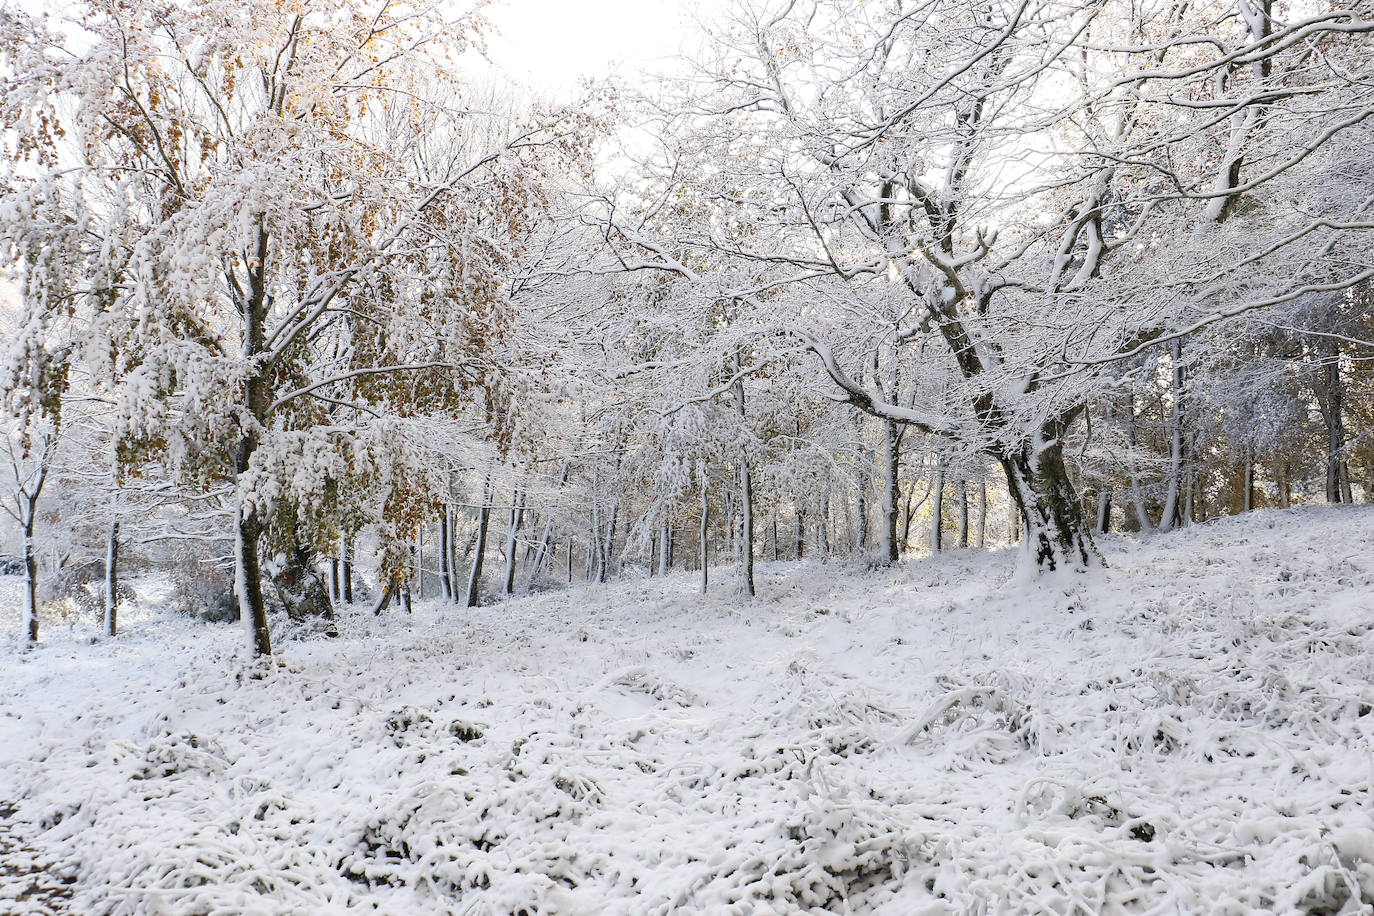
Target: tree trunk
x=746 y=527
x=517 y=516
x=963 y=514
x=248 y=528
x=982 y=510
x=703 y=540
x=1104 y=511
x=248 y=581
x=1057 y=535
x=823 y=525
x=30 y=578
x=1333 y=410
x=746 y=499
x=891 y=495
x=1142 y=514
x=112 y=578
x=1248 y=483
x=384 y=598
x=445 y=558
x=346 y=571
x=937 y=513
x=480 y=547
x=1173 y=515
x=665 y=548
x=301 y=588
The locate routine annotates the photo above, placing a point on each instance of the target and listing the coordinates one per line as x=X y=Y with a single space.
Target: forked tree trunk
x=1056 y=533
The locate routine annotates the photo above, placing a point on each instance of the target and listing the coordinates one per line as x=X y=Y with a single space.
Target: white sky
x=549 y=45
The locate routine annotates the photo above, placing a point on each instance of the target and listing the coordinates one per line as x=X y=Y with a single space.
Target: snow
x=1188 y=730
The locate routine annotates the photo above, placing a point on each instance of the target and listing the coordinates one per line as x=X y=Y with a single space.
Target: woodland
x=319 y=335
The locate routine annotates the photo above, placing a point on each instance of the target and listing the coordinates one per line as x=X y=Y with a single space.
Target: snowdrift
x=1191 y=730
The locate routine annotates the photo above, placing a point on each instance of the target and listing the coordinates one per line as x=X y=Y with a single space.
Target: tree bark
x=479 y=549
x=30 y=578
x=1057 y=535
x=445 y=558
x=1332 y=401
x=937 y=513
x=346 y=571
x=248 y=528
x=517 y=516
x=1173 y=516
x=112 y=578
x=891 y=494
x=982 y=510
x=963 y=514
x=702 y=536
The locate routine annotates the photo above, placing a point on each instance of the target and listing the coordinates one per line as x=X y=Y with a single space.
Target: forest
x=918 y=408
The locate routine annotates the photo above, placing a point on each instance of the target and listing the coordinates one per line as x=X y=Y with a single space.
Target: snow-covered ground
x=1190 y=731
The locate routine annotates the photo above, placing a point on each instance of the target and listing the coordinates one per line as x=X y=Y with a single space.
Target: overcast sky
x=550 y=44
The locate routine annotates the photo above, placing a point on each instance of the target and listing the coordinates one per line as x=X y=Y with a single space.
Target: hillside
x=1191 y=730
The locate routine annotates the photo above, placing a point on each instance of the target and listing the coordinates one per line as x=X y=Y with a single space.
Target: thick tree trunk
x=248 y=528
x=479 y=549
x=1104 y=511
x=1248 y=483
x=301 y=588
x=112 y=578
x=248 y=582
x=1057 y=535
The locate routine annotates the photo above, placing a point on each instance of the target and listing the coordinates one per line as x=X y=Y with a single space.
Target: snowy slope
x=1189 y=731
